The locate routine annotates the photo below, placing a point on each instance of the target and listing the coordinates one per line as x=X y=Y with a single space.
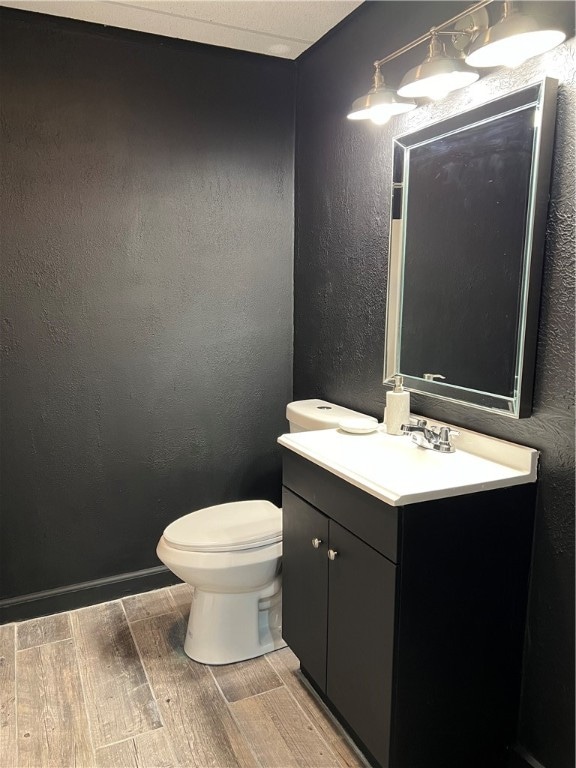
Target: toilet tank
x=308 y=415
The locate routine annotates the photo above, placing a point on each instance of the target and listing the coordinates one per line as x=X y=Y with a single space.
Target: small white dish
x=359 y=426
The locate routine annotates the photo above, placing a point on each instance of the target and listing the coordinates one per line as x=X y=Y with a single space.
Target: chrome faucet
x=435 y=438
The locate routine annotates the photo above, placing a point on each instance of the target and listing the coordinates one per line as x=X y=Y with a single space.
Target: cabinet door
x=360 y=639
x=305 y=584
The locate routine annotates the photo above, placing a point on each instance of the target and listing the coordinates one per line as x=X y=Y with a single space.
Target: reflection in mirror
x=469 y=204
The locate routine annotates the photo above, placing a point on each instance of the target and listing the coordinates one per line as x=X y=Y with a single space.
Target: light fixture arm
x=378 y=76
x=439 y=29
x=436 y=47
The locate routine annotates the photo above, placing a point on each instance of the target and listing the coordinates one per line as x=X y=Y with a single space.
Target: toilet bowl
x=231 y=555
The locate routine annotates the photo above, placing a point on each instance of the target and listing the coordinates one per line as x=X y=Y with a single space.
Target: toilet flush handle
x=316 y=542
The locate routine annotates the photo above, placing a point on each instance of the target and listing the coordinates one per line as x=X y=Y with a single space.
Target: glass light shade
x=379 y=103
x=419 y=83
x=437 y=76
x=511 y=41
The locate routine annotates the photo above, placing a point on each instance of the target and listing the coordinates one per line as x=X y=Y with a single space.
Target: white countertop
x=398 y=472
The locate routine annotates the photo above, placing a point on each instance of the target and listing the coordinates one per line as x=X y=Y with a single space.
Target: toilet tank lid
x=227 y=527
x=318 y=414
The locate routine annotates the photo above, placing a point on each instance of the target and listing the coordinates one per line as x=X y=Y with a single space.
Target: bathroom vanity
x=405 y=579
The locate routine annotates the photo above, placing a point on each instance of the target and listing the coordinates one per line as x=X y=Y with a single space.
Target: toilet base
x=224 y=628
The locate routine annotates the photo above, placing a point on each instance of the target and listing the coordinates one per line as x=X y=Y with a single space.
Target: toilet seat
x=240 y=525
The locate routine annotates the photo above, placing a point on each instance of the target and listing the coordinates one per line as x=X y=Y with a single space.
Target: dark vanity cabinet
x=327 y=607
x=409 y=621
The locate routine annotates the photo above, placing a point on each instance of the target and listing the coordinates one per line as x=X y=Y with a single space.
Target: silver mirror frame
x=541 y=96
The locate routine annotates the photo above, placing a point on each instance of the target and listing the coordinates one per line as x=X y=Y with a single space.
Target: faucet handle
x=444 y=439
x=411 y=423
x=446 y=433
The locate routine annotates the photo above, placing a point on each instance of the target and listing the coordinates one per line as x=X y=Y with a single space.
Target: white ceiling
x=283 y=28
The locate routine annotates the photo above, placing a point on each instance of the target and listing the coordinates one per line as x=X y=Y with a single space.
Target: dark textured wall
x=342 y=203
x=147 y=241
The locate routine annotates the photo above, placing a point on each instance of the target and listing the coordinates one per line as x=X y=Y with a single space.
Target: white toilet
x=231 y=555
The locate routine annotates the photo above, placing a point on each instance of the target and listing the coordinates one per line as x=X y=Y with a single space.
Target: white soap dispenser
x=397 y=407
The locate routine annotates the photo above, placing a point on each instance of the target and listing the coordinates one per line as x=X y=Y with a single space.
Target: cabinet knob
x=316 y=543
x=332 y=554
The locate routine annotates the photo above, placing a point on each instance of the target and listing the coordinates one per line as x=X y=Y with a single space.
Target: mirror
x=468 y=220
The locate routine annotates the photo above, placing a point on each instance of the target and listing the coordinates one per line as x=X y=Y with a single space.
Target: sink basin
x=398 y=472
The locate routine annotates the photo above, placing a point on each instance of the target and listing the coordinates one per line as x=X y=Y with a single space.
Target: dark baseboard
x=87 y=593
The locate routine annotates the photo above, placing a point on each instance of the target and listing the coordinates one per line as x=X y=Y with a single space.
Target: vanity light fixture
x=438 y=74
x=512 y=40
x=515 y=38
x=380 y=103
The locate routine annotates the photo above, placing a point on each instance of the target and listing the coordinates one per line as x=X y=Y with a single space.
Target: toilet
x=231 y=555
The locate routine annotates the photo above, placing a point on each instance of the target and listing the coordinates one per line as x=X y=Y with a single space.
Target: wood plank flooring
x=110 y=686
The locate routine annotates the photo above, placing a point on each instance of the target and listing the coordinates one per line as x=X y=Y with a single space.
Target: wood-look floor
x=110 y=686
